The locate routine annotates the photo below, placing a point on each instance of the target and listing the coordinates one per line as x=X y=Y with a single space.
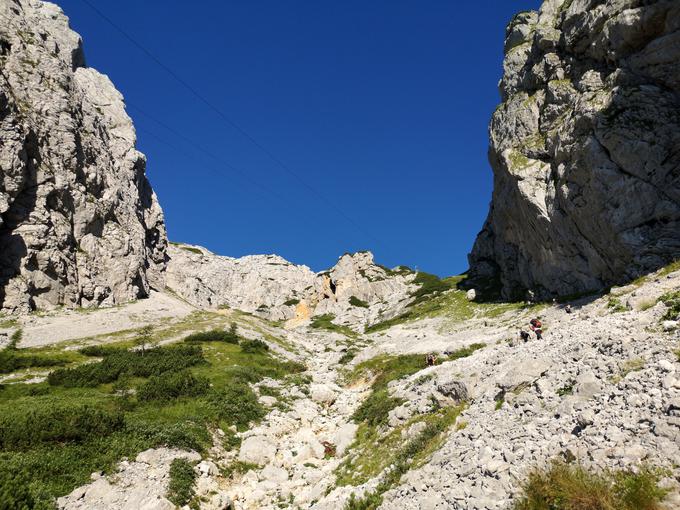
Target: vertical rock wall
x=79 y=222
x=585 y=149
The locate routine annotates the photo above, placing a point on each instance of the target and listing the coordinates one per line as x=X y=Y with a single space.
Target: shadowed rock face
x=79 y=222
x=585 y=149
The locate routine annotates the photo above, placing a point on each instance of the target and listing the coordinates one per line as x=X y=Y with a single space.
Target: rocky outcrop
x=585 y=149
x=356 y=291
x=79 y=222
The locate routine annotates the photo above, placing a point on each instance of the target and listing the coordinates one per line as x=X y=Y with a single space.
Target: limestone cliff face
x=585 y=148
x=79 y=222
x=356 y=291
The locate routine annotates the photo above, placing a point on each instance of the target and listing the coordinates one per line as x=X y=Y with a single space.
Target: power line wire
x=229 y=121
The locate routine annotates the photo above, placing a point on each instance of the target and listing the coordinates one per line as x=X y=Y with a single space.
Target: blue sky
x=376 y=110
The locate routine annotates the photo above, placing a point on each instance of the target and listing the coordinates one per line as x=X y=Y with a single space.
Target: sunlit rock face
x=79 y=222
x=585 y=149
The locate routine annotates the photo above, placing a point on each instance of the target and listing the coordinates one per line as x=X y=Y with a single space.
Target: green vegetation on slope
x=572 y=487
x=672 y=301
x=86 y=418
x=442 y=299
x=372 y=450
x=325 y=321
x=182 y=479
x=355 y=301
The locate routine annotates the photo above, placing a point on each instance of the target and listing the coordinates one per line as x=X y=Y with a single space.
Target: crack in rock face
x=79 y=222
x=585 y=149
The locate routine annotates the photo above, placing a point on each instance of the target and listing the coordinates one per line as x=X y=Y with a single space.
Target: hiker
x=524 y=335
x=567 y=308
x=431 y=359
x=536 y=327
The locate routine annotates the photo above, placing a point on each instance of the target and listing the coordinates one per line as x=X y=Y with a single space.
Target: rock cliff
x=356 y=291
x=585 y=149
x=79 y=222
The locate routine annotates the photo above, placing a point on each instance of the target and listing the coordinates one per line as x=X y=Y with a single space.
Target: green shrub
x=672 y=301
x=291 y=302
x=254 y=346
x=15 y=339
x=172 y=385
x=572 y=487
x=355 y=301
x=236 y=405
x=375 y=409
x=24 y=429
x=182 y=479
x=348 y=356
x=213 y=335
x=128 y=363
x=12 y=360
x=15 y=493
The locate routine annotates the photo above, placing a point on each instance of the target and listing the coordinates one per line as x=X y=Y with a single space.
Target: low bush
x=571 y=487
x=213 y=335
x=12 y=360
x=348 y=356
x=182 y=479
x=355 y=301
x=236 y=405
x=672 y=301
x=375 y=409
x=291 y=302
x=172 y=385
x=254 y=346
x=24 y=429
x=15 y=493
x=128 y=363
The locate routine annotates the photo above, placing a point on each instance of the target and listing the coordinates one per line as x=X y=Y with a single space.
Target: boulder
x=258 y=450
x=455 y=390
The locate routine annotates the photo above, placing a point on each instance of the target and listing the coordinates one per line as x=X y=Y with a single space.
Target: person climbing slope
x=536 y=326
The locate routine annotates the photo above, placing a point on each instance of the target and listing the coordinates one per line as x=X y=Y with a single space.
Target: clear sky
x=369 y=119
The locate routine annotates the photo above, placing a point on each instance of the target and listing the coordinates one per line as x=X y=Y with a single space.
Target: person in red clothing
x=536 y=326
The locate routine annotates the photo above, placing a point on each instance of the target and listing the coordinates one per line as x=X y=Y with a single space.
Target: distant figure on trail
x=524 y=335
x=430 y=359
x=536 y=327
x=567 y=308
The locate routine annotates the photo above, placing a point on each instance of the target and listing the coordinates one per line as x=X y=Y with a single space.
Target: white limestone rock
x=80 y=224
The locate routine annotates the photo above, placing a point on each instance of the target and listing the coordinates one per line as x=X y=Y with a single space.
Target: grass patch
x=215 y=335
x=572 y=487
x=430 y=285
x=615 y=306
x=451 y=304
x=670 y=268
x=182 y=479
x=325 y=321
x=355 y=301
